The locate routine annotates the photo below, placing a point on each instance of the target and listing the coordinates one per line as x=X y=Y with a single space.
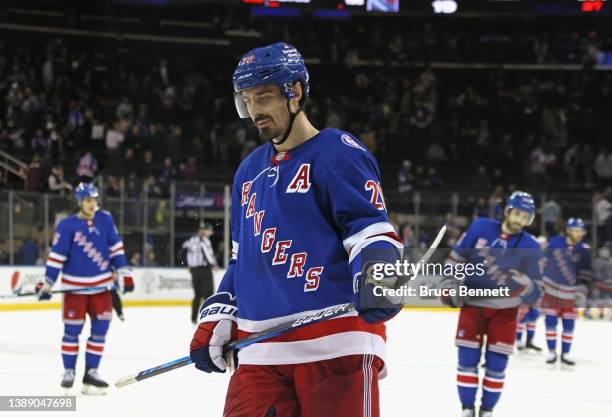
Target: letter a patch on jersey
x=301 y=182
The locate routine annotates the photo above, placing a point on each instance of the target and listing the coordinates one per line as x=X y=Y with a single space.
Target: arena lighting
x=354 y=2
x=444 y=6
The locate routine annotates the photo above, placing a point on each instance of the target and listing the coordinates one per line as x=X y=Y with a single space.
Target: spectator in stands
x=570 y=164
x=87 y=168
x=152 y=188
x=129 y=164
x=436 y=153
x=540 y=161
x=603 y=166
x=603 y=215
x=125 y=110
x=40 y=143
x=113 y=188
x=189 y=169
x=151 y=259
x=408 y=237
x=481 y=179
x=433 y=179
x=135 y=259
x=56 y=181
x=114 y=139
x=35 y=174
x=147 y=166
x=481 y=209
x=551 y=212
x=405 y=177
x=28 y=252
x=452 y=230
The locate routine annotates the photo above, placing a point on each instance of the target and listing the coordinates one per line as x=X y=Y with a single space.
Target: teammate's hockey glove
x=125 y=280
x=217 y=327
x=43 y=289
x=451 y=297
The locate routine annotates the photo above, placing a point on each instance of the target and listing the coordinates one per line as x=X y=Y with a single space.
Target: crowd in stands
x=107 y=110
x=74 y=108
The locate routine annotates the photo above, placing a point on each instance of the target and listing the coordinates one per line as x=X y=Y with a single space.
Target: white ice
x=421 y=380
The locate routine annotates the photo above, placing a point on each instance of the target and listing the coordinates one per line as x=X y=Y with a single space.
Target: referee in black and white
x=201 y=261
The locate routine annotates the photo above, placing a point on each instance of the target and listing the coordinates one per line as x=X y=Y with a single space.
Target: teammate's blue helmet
x=575 y=223
x=523 y=201
x=277 y=64
x=86 y=189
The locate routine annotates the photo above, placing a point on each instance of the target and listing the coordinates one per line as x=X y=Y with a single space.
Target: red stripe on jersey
x=326 y=328
x=467 y=379
x=118 y=249
x=54 y=260
x=489 y=383
x=88 y=284
x=392 y=235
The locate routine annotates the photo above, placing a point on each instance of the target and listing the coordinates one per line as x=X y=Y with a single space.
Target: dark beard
x=268 y=133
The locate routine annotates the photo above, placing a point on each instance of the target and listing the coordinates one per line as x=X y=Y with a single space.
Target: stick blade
x=127 y=380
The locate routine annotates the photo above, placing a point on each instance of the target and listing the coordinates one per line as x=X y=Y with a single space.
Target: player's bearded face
x=268 y=110
x=516 y=220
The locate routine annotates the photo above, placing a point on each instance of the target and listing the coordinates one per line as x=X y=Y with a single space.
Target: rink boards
x=153 y=287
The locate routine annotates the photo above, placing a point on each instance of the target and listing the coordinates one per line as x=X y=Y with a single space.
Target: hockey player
x=602 y=288
x=305 y=206
x=86 y=250
x=567 y=272
x=527 y=321
x=511 y=257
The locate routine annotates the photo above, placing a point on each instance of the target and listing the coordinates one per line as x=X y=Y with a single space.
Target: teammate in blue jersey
x=527 y=324
x=511 y=258
x=567 y=273
x=305 y=206
x=86 y=251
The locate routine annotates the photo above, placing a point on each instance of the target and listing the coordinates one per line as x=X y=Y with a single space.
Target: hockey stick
x=327 y=314
x=27 y=294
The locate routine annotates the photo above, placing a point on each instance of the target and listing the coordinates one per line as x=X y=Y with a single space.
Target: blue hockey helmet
x=575 y=223
x=523 y=201
x=86 y=189
x=277 y=64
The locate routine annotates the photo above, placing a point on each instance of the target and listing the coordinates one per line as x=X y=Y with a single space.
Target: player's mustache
x=261 y=119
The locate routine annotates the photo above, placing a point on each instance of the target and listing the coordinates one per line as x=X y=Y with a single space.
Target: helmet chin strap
x=292 y=117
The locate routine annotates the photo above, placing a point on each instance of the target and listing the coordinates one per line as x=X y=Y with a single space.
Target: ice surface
x=421 y=380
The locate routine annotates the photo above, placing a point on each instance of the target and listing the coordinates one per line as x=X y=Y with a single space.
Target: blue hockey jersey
x=501 y=254
x=299 y=221
x=85 y=252
x=564 y=266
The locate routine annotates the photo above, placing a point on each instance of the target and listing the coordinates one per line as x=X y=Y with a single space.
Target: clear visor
x=241 y=106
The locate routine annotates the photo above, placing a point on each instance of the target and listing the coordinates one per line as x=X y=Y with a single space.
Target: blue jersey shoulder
x=529 y=241
x=557 y=242
x=484 y=223
x=341 y=147
x=68 y=222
